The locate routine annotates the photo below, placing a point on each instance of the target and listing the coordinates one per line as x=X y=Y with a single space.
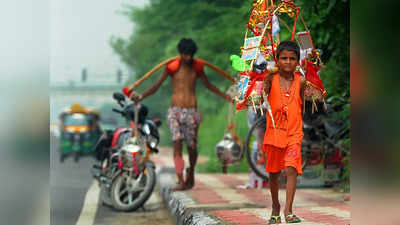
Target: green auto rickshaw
x=80 y=131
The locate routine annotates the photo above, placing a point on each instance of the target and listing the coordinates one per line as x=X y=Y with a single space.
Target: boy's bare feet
x=291 y=218
x=275 y=218
x=276 y=209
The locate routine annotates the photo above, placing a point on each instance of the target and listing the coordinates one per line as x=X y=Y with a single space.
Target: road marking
x=89 y=210
x=55 y=130
x=157 y=170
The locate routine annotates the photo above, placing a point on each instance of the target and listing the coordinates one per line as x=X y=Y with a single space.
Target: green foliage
x=165 y=135
x=218 y=28
x=212 y=131
x=329 y=23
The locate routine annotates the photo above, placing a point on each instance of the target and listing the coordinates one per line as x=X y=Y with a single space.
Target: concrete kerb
x=178 y=204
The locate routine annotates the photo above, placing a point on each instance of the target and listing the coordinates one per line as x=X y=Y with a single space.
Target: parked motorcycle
x=127 y=175
x=322 y=138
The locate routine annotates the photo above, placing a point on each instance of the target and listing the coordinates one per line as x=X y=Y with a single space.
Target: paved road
x=74 y=197
x=69 y=182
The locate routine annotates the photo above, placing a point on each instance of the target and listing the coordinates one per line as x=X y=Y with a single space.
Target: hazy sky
x=80 y=31
x=23 y=40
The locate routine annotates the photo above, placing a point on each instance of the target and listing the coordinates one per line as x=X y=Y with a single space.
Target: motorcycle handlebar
x=119 y=103
x=118 y=111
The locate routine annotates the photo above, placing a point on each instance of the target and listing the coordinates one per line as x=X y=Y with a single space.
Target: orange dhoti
x=280 y=158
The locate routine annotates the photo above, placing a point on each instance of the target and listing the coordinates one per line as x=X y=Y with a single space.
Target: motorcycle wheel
x=124 y=200
x=255 y=133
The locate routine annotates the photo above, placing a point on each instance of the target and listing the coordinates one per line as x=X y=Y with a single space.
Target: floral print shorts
x=184 y=124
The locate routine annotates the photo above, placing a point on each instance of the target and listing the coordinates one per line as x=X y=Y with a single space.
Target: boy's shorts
x=184 y=124
x=280 y=158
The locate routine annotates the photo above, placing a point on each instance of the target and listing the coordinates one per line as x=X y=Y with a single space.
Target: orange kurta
x=286 y=107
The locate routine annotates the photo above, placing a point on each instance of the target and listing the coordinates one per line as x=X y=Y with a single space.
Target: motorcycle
x=127 y=175
x=322 y=139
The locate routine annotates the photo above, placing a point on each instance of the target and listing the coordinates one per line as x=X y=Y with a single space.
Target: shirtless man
x=183 y=117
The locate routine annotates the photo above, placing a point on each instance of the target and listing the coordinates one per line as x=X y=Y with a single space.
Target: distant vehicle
x=79 y=131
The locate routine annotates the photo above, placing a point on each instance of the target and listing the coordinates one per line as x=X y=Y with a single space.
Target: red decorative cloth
x=312 y=75
x=254 y=77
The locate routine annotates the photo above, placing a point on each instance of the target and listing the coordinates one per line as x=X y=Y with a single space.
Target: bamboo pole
x=305 y=26
x=244 y=43
x=220 y=71
x=262 y=35
x=148 y=74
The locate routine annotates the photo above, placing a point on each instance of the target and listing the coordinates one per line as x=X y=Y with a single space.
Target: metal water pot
x=228 y=150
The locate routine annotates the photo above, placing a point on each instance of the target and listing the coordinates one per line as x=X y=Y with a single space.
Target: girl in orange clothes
x=282 y=143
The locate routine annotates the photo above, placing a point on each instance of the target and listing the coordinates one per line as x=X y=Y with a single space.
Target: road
x=75 y=197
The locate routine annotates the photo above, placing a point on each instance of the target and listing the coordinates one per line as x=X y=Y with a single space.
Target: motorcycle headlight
x=152 y=141
x=131 y=148
x=129 y=152
x=153 y=144
x=146 y=129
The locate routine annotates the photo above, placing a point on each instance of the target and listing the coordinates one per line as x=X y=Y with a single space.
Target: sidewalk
x=215 y=199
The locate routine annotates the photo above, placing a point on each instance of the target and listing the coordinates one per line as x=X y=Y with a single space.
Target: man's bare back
x=184 y=87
